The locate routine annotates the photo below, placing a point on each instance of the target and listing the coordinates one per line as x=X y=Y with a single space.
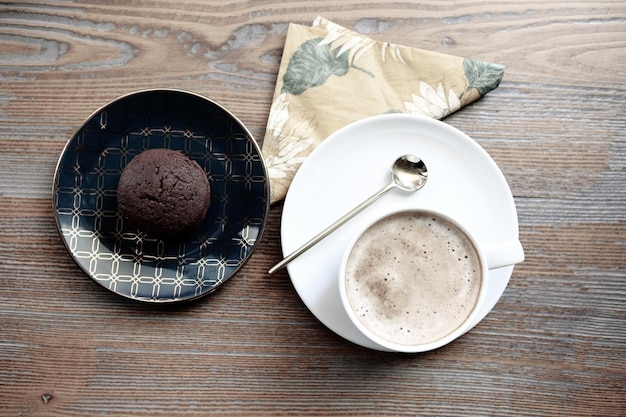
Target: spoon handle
x=308 y=245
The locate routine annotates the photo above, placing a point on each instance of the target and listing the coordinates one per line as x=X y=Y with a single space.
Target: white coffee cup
x=414 y=280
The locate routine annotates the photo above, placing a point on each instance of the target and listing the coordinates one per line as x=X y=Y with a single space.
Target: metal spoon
x=408 y=173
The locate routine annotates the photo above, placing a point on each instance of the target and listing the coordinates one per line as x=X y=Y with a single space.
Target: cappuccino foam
x=413 y=278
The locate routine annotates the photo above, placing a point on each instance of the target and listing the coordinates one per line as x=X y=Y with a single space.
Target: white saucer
x=354 y=163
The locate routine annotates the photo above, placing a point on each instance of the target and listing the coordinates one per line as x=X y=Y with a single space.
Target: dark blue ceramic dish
x=122 y=258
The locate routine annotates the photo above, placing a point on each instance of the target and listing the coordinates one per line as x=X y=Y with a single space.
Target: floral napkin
x=331 y=76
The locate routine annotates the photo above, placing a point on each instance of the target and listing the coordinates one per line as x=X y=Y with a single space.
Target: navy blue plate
x=124 y=259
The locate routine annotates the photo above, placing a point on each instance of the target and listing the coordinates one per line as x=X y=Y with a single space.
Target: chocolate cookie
x=163 y=193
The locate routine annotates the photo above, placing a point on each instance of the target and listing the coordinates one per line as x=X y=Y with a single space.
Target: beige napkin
x=331 y=76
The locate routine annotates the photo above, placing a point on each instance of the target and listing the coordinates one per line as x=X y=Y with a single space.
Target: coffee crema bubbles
x=413 y=278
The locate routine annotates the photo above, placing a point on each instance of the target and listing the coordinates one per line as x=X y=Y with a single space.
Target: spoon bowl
x=409 y=173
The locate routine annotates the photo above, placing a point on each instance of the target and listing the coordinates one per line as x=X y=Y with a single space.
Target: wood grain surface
x=553 y=345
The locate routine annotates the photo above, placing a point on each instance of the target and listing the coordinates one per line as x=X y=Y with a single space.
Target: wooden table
x=554 y=344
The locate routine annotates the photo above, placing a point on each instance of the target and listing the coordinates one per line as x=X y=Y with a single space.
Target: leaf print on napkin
x=292 y=143
x=483 y=76
x=433 y=103
x=355 y=44
x=311 y=65
x=278 y=117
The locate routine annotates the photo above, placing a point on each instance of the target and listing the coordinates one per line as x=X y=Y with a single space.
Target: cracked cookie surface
x=163 y=193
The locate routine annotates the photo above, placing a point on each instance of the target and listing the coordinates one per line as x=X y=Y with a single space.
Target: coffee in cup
x=413 y=280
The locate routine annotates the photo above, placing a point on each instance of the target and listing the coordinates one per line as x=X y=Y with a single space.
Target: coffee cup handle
x=505 y=253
